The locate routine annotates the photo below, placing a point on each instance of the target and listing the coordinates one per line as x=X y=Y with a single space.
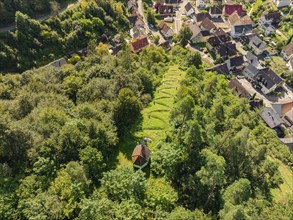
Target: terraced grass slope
x=154 y=123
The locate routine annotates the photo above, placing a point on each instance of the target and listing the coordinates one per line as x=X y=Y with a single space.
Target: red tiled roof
x=140 y=155
x=139 y=44
x=229 y=9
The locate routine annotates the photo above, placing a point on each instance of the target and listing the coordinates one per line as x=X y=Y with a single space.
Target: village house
x=233 y=18
x=140 y=156
x=132 y=7
x=250 y=72
x=207 y=25
x=166 y=30
x=198 y=35
x=132 y=19
x=269 y=22
x=230 y=9
x=268 y=80
x=273 y=120
x=224 y=50
x=257 y=45
x=252 y=59
x=199 y=17
x=216 y=11
x=221 y=68
x=284 y=108
x=287 y=52
x=218 y=36
x=240 y=29
x=242 y=92
x=189 y=10
x=272 y=18
x=166 y=45
x=139 y=23
x=282 y=3
x=137 y=31
x=235 y=63
x=165 y=10
x=138 y=44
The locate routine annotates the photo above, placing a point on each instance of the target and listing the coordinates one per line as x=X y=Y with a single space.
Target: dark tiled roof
x=188 y=6
x=255 y=103
x=216 y=10
x=172 y=1
x=201 y=16
x=226 y=49
x=275 y=16
x=221 y=68
x=166 y=9
x=218 y=37
x=166 y=45
x=132 y=19
x=243 y=28
x=236 y=61
x=268 y=78
x=271 y=118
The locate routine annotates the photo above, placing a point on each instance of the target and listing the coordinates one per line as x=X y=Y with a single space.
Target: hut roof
x=140 y=155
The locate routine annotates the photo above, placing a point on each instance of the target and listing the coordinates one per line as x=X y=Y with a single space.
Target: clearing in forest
x=155 y=118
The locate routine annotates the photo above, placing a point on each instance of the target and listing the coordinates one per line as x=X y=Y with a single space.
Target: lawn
x=285 y=190
x=278 y=65
x=154 y=123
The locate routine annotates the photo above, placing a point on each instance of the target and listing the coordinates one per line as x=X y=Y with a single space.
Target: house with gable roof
x=166 y=30
x=189 y=9
x=138 y=44
x=216 y=11
x=287 y=52
x=230 y=9
x=268 y=80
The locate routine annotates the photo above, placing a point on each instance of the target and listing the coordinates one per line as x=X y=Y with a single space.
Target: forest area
x=36 y=44
x=63 y=130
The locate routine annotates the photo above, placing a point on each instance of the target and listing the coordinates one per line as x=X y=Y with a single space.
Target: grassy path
x=155 y=118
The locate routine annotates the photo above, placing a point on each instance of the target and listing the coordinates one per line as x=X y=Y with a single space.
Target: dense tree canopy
x=34 y=43
x=61 y=130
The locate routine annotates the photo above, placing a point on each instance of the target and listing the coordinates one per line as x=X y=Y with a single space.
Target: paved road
x=179 y=13
x=148 y=29
x=41 y=18
x=247 y=85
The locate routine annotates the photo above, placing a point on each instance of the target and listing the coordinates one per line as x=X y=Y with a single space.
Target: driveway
x=148 y=29
x=179 y=13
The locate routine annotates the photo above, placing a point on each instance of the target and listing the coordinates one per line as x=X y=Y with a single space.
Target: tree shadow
x=128 y=139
